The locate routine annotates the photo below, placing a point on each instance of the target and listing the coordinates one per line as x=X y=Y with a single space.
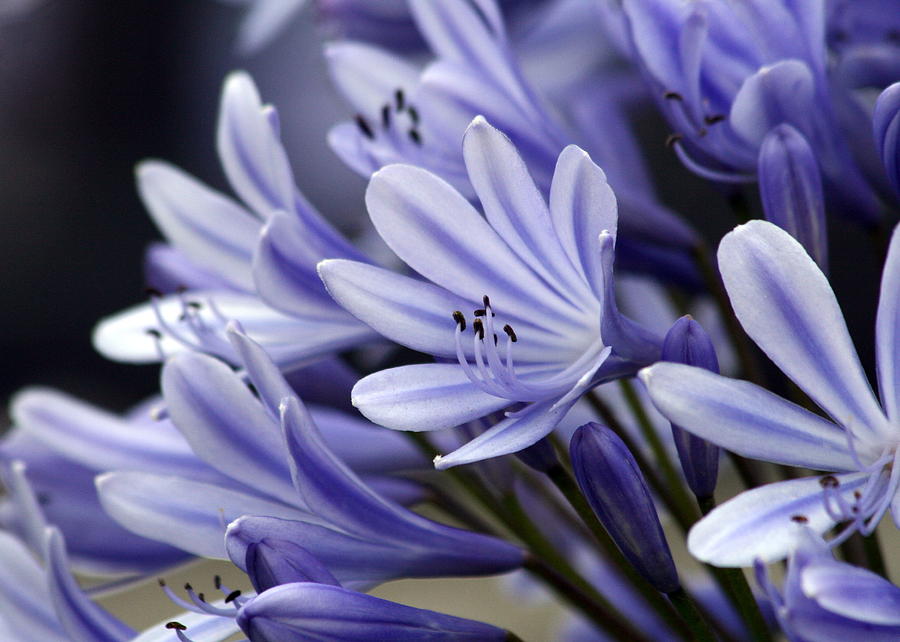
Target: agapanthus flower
x=725 y=74
x=408 y=115
x=544 y=327
x=786 y=305
x=824 y=599
x=215 y=255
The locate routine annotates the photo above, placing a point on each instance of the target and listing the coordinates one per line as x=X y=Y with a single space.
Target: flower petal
x=852 y=592
x=786 y=305
x=189 y=515
x=759 y=523
x=746 y=419
x=429 y=396
x=887 y=331
x=24 y=604
x=208 y=227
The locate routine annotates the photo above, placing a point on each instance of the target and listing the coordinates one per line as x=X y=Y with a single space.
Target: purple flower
x=214 y=253
x=824 y=599
x=786 y=305
x=545 y=326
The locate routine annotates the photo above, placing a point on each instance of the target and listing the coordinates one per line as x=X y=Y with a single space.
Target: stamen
x=415 y=136
x=400 y=99
x=413 y=114
x=478 y=328
x=712 y=119
x=510 y=333
x=673 y=95
x=460 y=319
x=386 y=116
x=364 y=126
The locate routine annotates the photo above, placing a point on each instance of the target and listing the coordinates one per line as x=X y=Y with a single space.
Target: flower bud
x=611 y=481
x=790 y=186
x=272 y=561
x=687 y=342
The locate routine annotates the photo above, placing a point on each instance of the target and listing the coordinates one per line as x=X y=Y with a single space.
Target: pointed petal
x=515 y=208
x=786 y=305
x=887 y=331
x=852 y=592
x=431 y=227
x=758 y=523
x=189 y=515
x=429 y=396
x=582 y=206
x=83 y=620
x=167 y=270
x=886 y=126
x=306 y=610
x=208 y=227
x=252 y=156
x=225 y=424
x=746 y=419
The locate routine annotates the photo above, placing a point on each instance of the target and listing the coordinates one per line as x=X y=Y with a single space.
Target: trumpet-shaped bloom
x=544 y=327
x=214 y=253
x=786 y=305
x=823 y=599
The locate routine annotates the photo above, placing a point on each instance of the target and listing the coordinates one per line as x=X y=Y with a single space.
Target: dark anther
x=42 y=498
x=460 y=319
x=400 y=98
x=188 y=587
x=364 y=126
x=153 y=332
x=486 y=300
x=857 y=495
x=671 y=139
x=512 y=333
x=702 y=132
x=232 y=596
x=480 y=312
x=673 y=95
x=152 y=292
x=161 y=581
x=178 y=626
x=252 y=389
x=829 y=481
x=415 y=136
x=386 y=116
x=195 y=305
x=713 y=119
x=478 y=328
x=201 y=597
x=217 y=581
x=413 y=114
x=800 y=519
x=496 y=339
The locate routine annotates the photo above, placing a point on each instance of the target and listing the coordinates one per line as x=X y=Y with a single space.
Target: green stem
x=569 y=489
x=873 y=554
x=685 y=606
x=680 y=495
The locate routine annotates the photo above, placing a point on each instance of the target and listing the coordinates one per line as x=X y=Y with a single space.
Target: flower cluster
x=552 y=371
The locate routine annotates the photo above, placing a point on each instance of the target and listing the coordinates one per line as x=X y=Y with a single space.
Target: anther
x=152 y=292
x=672 y=95
x=386 y=116
x=478 y=328
x=400 y=98
x=415 y=136
x=188 y=587
x=413 y=114
x=153 y=332
x=178 y=626
x=800 y=519
x=496 y=339
x=671 y=139
x=364 y=126
x=857 y=495
x=233 y=596
x=486 y=300
x=712 y=119
x=702 y=132
x=460 y=319
x=480 y=312
x=195 y=305
x=510 y=332
x=201 y=597
x=217 y=581
x=829 y=481
x=161 y=581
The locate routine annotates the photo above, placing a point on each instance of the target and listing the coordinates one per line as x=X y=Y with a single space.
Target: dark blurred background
x=89 y=87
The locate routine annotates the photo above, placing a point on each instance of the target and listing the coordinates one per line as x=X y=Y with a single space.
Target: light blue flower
x=786 y=305
x=545 y=326
x=216 y=257
x=824 y=599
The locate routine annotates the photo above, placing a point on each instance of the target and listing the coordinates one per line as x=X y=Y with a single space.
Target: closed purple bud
x=886 y=126
x=539 y=456
x=308 y=611
x=273 y=561
x=611 y=481
x=790 y=185
x=687 y=342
